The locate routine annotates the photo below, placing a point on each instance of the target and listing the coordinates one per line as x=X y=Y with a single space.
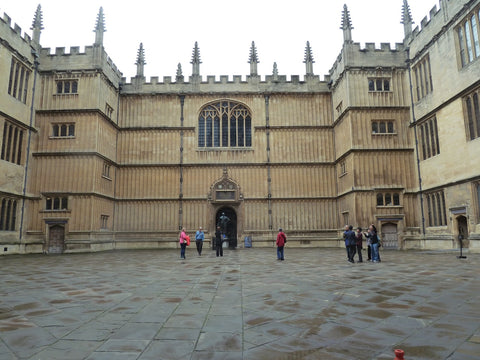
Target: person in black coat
x=218 y=241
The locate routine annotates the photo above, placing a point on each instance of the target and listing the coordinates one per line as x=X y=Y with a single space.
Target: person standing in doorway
x=281 y=240
x=199 y=237
x=358 y=243
x=183 y=243
x=219 y=242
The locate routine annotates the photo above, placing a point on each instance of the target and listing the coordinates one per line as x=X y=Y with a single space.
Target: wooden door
x=389 y=236
x=56 y=239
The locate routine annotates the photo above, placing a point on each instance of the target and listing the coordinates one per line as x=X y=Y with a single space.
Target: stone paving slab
x=143 y=305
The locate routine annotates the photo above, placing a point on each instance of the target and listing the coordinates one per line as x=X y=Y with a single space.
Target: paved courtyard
x=247 y=305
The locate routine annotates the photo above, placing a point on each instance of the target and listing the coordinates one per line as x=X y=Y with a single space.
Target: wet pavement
x=247 y=305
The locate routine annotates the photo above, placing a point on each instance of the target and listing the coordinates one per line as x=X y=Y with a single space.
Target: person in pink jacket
x=281 y=240
x=183 y=243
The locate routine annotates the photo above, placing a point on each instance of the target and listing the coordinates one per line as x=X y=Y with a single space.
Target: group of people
x=199 y=238
x=354 y=243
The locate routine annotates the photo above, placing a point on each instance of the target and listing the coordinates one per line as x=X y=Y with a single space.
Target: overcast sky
x=224 y=30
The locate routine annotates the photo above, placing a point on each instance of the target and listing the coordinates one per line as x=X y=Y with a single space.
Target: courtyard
x=245 y=305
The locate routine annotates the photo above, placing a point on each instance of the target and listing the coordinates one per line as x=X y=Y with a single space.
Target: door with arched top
x=226 y=218
x=462 y=231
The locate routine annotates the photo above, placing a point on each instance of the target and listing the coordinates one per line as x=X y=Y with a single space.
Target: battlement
x=14 y=35
x=224 y=83
x=92 y=57
x=435 y=23
x=370 y=56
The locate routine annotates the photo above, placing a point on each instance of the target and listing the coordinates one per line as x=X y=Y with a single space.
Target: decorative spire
x=140 y=60
x=196 y=60
x=99 y=27
x=407 y=20
x=275 y=69
x=179 y=76
x=37 y=24
x=275 y=72
x=308 y=59
x=346 y=25
x=253 y=60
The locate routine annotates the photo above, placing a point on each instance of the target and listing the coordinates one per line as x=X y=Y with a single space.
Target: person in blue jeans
x=281 y=240
x=372 y=235
x=199 y=237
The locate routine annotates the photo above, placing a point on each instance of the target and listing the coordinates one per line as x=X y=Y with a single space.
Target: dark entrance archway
x=231 y=225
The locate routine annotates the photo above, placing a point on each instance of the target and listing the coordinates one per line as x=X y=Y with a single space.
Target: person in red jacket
x=281 y=240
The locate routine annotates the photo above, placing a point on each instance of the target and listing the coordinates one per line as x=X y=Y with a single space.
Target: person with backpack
x=281 y=240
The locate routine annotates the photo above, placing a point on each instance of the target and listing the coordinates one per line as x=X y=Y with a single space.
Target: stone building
x=91 y=161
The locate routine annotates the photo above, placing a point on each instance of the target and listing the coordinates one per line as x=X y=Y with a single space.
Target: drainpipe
x=414 y=123
x=32 y=111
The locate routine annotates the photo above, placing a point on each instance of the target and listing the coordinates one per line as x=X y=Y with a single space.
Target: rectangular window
x=436 y=209
x=108 y=110
x=12 y=143
x=423 y=77
x=18 y=82
x=63 y=130
x=472 y=114
x=56 y=203
x=104 y=222
x=379 y=84
x=383 y=127
x=67 y=86
x=429 y=138
x=468 y=37
x=388 y=199
x=343 y=168
x=8 y=214
x=106 y=170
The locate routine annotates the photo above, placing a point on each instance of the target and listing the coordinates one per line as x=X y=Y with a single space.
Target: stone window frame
x=436 y=208
x=471 y=106
x=422 y=78
x=468 y=38
x=383 y=127
x=219 y=126
x=18 y=80
x=388 y=199
x=380 y=84
x=428 y=137
x=63 y=130
x=12 y=143
x=104 y=222
x=66 y=87
x=8 y=214
x=56 y=203
x=106 y=170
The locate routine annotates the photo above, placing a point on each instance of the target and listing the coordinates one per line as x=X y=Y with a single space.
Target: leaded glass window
x=225 y=123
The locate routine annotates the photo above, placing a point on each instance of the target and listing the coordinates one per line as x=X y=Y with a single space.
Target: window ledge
x=390 y=206
x=342 y=175
x=67 y=94
x=385 y=133
x=61 y=137
x=221 y=148
x=56 y=211
x=106 y=177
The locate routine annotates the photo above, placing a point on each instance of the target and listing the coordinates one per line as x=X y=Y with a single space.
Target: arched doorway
x=389 y=236
x=462 y=227
x=56 y=239
x=230 y=225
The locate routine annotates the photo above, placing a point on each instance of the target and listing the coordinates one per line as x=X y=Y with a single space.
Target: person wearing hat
x=281 y=240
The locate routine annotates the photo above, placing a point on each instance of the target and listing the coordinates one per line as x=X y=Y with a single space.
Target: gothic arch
x=224 y=124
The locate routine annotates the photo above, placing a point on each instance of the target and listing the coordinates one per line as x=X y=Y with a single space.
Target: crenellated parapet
x=20 y=43
x=368 y=57
x=74 y=60
x=236 y=84
x=437 y=22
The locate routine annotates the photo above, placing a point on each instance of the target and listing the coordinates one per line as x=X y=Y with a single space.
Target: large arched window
x=224 y=124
